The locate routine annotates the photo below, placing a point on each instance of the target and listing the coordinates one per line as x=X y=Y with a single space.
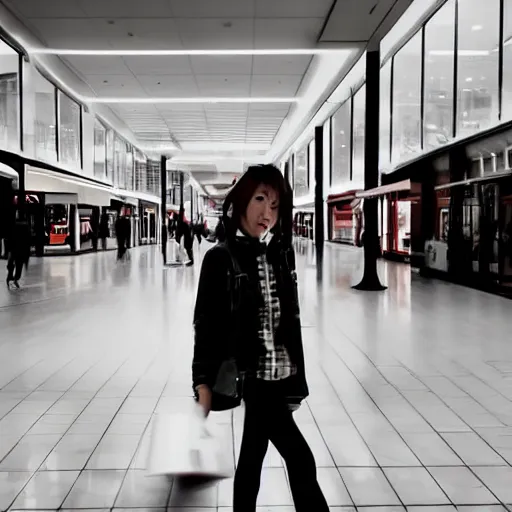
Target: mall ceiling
x=162 y=65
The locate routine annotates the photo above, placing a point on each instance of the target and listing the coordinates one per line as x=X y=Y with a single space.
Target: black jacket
x=219 y=336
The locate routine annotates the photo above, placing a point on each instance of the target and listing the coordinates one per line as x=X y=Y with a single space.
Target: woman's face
x=262 y=212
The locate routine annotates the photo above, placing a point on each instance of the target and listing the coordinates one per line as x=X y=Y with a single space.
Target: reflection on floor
x=411 y=389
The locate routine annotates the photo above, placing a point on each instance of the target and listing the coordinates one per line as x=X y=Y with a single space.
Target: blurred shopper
x=184 y=231
x=123 y=229
x=104 y=231
x=18 y=248
x=220 y=232
x=199 y=229
x=248 y=342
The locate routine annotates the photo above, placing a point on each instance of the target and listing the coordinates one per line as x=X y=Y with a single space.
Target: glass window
x=9 y=97
x=110 y=155
x=311 y=167
x=385 y=116
x=301 y=173
x=340 y=138
x=69 y=131
x=477 y=81
x=45 y=122
x=100 y=150
x=359 y=137
x=439 y=67
x=406 y=101
x=120 y=163
x=507 y=63
x=129 y=167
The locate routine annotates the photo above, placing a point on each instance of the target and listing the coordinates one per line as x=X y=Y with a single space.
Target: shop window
x=359 y=138
x=385 y=117
x=129 y=167
x=507 y=62
x=407 y=101
x=69 y=131
x=45 y=121
x=100 y=150
x=477 y=80
x=120 y=163
x=311 y=166
x=110 y=155
x=140 y=171
x=9 y=98
x=341 y=149
x=301 y=187
x=439 y=70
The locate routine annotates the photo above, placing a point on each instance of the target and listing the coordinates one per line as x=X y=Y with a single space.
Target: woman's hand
x=204 y=398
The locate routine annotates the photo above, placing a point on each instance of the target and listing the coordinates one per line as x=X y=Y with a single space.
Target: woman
x=247 y=329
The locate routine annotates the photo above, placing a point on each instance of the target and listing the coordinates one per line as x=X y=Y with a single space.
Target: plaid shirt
x=275 y=364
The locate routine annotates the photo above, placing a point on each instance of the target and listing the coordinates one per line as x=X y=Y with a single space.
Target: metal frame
x=501 y=51
x=455 y=70
x=351 y=163
x=21 y=129
x=422 y=89
x=57 y=121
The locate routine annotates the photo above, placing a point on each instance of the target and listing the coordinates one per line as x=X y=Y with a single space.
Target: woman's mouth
x=263 y=226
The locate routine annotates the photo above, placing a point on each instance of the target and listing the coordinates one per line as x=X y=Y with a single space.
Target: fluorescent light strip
x=170 y=53
x=93 y=99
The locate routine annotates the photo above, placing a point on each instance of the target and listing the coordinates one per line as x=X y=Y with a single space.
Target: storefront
x=399 y=215
x=148 y=223
x=471 y=217
x=345 y=219
x=304 y=222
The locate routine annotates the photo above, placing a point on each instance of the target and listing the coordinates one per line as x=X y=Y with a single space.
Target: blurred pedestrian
x=184 y=232
x=18 y=249
x=104 y=230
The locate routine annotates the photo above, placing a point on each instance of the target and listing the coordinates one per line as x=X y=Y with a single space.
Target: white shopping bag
x=185 y=445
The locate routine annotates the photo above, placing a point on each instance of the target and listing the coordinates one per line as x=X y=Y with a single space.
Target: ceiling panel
x=46 y=9
x=275 y=85
x=122 y=8
x=159 y=65
x=213 y=9
x=221 y=65
x=92 y=65
x=293 y=8
x=198 y=34
x=231 y=85
x=281 y=64
x=169 y=85
x=287 y=33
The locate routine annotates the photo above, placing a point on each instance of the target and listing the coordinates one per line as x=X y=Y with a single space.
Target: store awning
x=10 y=173
x=400 y=186
x=344 y=196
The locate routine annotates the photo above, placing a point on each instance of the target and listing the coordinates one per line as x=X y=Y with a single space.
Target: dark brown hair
x=241 y=194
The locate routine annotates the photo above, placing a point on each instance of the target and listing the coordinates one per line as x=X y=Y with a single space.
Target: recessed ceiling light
x=120 y=52
x=469 y=79
x=476 y=28
x=198 y=99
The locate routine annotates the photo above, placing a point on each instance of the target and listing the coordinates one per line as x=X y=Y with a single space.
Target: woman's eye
x=259 y=198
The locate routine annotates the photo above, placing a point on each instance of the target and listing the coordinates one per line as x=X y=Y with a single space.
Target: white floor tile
x=46 y=490
x=473 y=450
x=140 y=491
x=462 y=487
x=11 y=483
x=72 y=452
x=114 y=452
x=368 y=487
x=29 y=453
x=498 y=480
x=94 y=489
x=416 y=487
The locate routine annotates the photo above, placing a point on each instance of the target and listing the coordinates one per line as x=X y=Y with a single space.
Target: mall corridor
x=411 y=389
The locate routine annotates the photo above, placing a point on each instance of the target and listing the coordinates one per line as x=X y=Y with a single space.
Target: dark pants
x=14 y=268
x=268 y=418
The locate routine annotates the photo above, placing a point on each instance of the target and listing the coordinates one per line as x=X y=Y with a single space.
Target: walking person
x=184 y=231
x=122 y=235
x=104 y=230
x=248 y=341
x=18 y=248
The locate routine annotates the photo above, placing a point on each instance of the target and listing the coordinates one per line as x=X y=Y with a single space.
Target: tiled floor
x=410 y=406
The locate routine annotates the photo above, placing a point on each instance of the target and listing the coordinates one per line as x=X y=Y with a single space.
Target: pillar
x=163 y=206
x=287 y=171
x=371 y=281
x=319 y=192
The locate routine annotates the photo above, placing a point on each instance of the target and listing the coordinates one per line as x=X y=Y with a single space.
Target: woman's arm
x=211 y=317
